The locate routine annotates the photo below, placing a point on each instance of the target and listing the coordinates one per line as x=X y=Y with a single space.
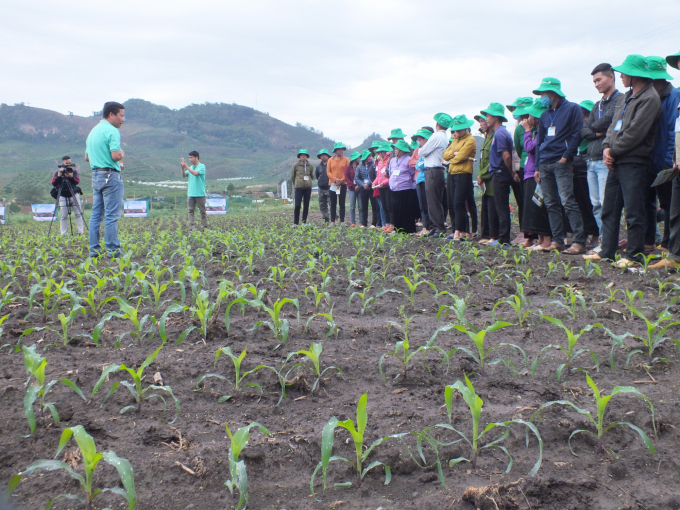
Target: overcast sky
x=347 y=68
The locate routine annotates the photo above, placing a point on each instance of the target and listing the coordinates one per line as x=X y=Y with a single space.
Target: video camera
x=68 y=167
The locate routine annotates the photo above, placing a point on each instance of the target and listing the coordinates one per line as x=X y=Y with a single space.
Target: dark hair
x=65 y=158
x=194 y=154
x=111 y=107
x=428 y=128
x=605 y=69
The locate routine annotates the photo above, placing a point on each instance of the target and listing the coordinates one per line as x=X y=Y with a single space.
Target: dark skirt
x=534 y=218
x=405 y=210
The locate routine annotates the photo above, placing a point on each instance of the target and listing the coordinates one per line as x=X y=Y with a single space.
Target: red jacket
x=349 y=177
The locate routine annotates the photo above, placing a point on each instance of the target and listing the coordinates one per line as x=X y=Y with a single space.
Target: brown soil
x=625 y=476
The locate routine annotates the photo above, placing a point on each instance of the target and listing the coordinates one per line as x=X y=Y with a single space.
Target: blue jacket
x=664 y=143
x=568 y=121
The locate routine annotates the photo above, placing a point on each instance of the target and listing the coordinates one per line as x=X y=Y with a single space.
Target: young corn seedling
x=402 y=349
x=601 y=406
x=52 y=294
x=158 y=289
x=412 y=284
x=367 y=302
x=475 y=404
x=319 y=296
x=571 y=299
x=519 y=303
x=91 y=458
x=238 y=378
x=135 y=387
x=237 y=468
x=203 y=311
x=38 y=390
x=656 y=332
x=478 y=336
x=459 y=307
x=278 y=326
x=570 y=350
x=333 y=328
x=314 y=355
x=131 y=313
x=357 y=433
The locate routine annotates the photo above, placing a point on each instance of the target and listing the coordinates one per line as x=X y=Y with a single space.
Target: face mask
x=515 y=116
x=546 y=100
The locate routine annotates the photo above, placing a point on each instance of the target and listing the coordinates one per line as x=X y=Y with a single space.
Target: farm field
x=397 y=325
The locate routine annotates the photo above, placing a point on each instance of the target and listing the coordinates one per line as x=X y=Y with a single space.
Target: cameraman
x=67 y=178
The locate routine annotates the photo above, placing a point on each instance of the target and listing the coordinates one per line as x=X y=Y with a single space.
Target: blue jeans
x=597 y=180
x=108 y=190
x=354 y=203
x=557 y=183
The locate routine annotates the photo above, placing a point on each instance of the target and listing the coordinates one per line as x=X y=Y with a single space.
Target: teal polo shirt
x=101 y=142
x=196 y=184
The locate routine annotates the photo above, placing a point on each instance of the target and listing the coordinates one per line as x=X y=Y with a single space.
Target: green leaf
x=126 y=474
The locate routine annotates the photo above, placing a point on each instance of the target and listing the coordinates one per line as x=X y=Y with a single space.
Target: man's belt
x=105 y=170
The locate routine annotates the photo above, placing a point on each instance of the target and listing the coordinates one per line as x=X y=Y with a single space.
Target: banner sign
x=135 y=209
x=43 y=212
x=216 y=206
x=2 y=215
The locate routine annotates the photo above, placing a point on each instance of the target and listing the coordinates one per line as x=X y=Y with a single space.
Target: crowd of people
x=571 y=167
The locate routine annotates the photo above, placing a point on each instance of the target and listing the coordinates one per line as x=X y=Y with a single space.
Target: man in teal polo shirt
x=195 y=188
x=105 y=155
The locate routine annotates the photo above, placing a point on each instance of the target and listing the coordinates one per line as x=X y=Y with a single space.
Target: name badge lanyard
x=619 y=123
x=552 y=119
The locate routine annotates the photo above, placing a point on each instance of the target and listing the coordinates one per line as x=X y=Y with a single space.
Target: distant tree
x=15 y=208
x=27 y=194
x=231 y=188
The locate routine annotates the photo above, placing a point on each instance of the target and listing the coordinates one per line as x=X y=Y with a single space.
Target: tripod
x=71 y=189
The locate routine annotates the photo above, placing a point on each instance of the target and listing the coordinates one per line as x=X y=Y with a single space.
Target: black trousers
x=434 y=191
x=375 y=211
x=459 y=188
x=365 y=195
x=472 y=208
x=501 y=196
x=674 y=222
x=489 y=218
x=301 y=194
x=338 y=201
x=518 y=191
x=386 y=201
x=624 y=190
x=663 y=193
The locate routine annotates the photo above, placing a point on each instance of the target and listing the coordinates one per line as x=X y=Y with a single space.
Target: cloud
x=348 y=68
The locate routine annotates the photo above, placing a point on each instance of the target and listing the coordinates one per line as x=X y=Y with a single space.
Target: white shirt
x=433 y=150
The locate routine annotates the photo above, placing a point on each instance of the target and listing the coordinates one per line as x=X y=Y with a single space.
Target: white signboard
x=284 y=190
x=135 y=209
x=3 y=220
x=43 y=212
x=216 y=206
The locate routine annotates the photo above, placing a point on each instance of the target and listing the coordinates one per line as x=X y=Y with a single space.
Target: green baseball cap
x=673 y=60
x=443 y=119
x=402 y=146
x=520 y=102
x=480 y=117
x=550 y=85
x=414 y=144
x=537 y=109
x=322 y=152
x=302 y=151
x=422 y=133
x=339 y=145
x=657 y=68
x=460 y=122
x=496 y=110
x=634 y=65
x=354 y=155
x=365 y=154
x=396 y=133
x=587 y=105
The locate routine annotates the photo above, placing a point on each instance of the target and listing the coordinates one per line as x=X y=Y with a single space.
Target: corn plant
x=278 y=326
x=412 y=284
x=453 y=273
x=158 y=289
x=35 y=368
x=333 y=328
x=357 y=433
x=367 y=302
x=459 y=307
x=135 y=387
x=570 y=300
x=478 y=336
x=238 y=377
x=173 y=308
x=241 y=302
x=402 y=349
x=2 y=319
x=655 y=336
x=519 y=303
x=319 y=296
x=7 y=297
x=601 y=406
x=52 y=294
x=314 y=355
x=203 y=311
x=237 y=468
x=570 y=350
x=131 y=313
x=475 y=404
x=91 y=458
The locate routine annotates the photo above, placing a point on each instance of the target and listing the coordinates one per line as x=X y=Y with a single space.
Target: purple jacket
x=530 y=140
x=401 y=173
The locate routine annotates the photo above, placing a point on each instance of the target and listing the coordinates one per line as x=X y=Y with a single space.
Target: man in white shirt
x=434 y=173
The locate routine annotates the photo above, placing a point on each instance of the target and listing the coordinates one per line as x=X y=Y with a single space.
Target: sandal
x=575 y=249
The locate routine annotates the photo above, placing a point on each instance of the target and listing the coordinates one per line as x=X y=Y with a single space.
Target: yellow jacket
x=465 y=148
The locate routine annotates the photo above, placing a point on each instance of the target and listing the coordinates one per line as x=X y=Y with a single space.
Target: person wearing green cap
x=518 y=109
x=396 y=135
x=417 y=162
x=594 y=131
x=627 y=153
x=381 y=183
x=336 y=177
x=432 y=152
x=324 y=186
x=404 y=205
x=559 y=135
x=662 y=157
x=301 y=176
x=364 y=175
x=460 y=154
x=352 y=190
x=489 y=215
x=581 y=190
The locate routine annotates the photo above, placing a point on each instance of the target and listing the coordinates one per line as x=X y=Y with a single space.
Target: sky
x=347 y=68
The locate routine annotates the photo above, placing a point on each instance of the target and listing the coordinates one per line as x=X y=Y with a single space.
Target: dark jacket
x=568 y=121
x=298 y=173
x=664 y=144
x=634 y=141
x=57 y=180
x=599 y=121
x=322 y=176
x=363 y=173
